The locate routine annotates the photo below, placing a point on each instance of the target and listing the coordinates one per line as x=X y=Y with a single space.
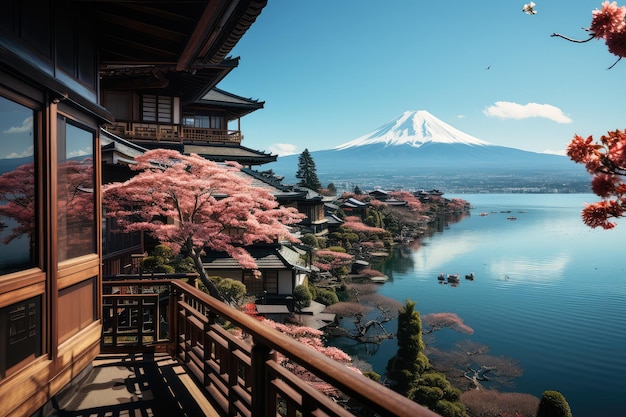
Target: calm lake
x=548 y=292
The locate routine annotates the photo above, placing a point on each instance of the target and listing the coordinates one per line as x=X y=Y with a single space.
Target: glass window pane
x=149 y=109
x=18 y=243
x=76 y=215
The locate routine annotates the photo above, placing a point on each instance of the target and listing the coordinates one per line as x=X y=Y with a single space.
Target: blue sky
x=330 y=71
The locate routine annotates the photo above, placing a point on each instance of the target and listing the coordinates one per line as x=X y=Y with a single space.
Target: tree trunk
x=213 y=290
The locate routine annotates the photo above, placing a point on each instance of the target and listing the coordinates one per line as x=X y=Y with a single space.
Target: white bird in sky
x=529 y=8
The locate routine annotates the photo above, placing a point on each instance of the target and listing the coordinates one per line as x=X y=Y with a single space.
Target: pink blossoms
x=606 y=162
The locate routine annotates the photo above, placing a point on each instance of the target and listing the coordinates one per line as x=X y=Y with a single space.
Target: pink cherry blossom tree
x=436 y=321
x=332 y=261
x=355 y=224
x=190 y=203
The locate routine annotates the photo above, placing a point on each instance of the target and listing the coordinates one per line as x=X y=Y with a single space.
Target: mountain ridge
x=417 y=150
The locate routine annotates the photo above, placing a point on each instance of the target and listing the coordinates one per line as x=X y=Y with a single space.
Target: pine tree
x=307 y=173
x=411 y=373
x=407 y=365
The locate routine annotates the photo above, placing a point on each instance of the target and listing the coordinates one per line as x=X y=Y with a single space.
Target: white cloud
x=460 y=116
x=508 y=110
x=26 y=126
x=27 y=152
x=283 y=149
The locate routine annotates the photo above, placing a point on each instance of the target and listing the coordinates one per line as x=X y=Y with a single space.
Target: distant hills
x=417 y=150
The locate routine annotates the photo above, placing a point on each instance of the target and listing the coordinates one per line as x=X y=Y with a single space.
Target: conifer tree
x=410 y=361
x=307 y=173
x=412 y=374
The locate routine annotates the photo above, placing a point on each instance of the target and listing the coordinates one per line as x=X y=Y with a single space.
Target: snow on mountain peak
x=414 y=128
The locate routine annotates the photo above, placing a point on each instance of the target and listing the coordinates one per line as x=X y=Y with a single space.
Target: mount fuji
x=418 y=150
x=414 y=129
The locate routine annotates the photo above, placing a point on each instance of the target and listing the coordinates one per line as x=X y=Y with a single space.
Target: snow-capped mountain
x=414 y=128
x=417 y=147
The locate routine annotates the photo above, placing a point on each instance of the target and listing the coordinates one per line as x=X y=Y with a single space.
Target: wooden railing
x=241 y=375
x=173 y=133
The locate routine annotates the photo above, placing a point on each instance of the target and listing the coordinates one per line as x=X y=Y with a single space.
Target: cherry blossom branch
x=558 y=35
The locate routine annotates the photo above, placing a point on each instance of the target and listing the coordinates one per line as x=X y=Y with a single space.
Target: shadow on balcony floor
x=143 y=384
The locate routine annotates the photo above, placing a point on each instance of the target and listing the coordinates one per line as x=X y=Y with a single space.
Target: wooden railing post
x=260 y=379
x=172 y=321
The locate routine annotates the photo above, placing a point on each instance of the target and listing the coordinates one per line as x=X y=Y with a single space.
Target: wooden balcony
x=239 y=376
x=156 y=132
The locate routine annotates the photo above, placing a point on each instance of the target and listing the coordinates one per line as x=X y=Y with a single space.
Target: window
x=271 y=282
x=216 y=122
x=18 y=196
x=75 y=184
x=157 y=109
x=203 y=121
x=254 y=285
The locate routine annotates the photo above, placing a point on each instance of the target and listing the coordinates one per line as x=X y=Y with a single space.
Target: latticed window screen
x=254 y=286
x=271 y=282
x=157 y=109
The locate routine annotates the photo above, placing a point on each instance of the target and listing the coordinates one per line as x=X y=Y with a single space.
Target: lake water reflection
x=549 y=292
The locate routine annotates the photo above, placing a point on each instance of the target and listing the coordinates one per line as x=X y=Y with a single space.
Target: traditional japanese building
x=67 y=69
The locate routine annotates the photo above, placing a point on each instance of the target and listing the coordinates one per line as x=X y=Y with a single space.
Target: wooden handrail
x=246 y=379
x=169 y=132
x=359 y=387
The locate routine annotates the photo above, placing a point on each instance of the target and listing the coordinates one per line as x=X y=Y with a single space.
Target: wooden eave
x=168 y=36
x=236 y=106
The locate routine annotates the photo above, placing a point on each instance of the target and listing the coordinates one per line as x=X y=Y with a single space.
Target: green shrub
x=155 y=264
x=232 y=290
x=326 y=297
x=372 y=375
x=336 y=249
x=313 y=290
x=183 y=265
x=310 y=240
x=302 y=296
x=553 y=404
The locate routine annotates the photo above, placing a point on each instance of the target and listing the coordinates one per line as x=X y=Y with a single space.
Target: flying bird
x=529 y=8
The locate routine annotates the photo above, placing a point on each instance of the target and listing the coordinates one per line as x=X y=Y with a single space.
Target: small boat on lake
x=379 y=280
x=470 y=276
x=441 y=277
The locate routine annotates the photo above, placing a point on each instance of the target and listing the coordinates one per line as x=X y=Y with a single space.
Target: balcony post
x=261 y=404
x=172 y=321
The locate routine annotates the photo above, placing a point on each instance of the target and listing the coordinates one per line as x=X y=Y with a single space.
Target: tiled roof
x=266 y=257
